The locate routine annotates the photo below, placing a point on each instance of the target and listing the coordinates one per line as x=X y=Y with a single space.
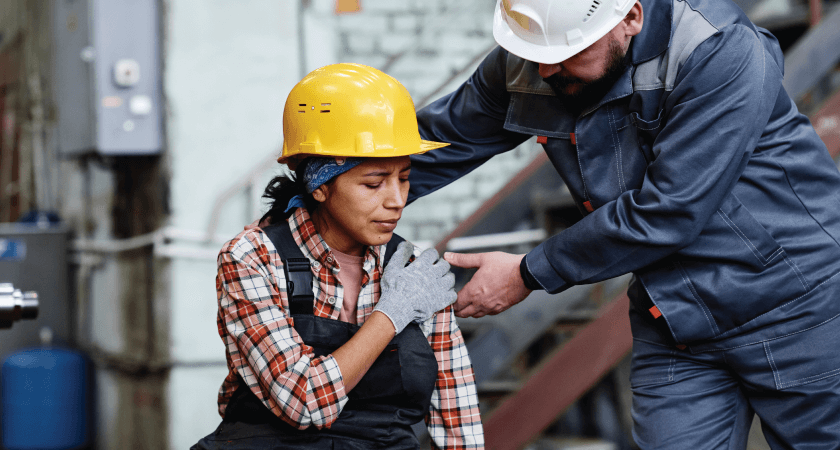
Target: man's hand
x=495 y=287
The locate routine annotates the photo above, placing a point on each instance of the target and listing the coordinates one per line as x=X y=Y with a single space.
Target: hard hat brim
x=425 y=146
x=546 y=54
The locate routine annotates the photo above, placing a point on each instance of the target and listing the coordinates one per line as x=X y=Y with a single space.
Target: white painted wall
x=228 y=69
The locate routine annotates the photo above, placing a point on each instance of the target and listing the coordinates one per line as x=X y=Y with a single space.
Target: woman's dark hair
x=281 y=189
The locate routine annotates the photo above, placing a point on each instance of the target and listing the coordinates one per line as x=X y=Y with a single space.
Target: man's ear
x=320 y=194
x=634 y=20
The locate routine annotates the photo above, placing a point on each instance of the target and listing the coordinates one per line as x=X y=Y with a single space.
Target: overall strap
x=296 y=266
x=391 y=248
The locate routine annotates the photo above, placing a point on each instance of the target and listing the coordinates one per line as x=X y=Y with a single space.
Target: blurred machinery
x=33 y=258
x=16 y=305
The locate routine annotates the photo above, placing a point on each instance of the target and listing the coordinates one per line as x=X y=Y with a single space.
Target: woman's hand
x=409 y=294
x=413 y=293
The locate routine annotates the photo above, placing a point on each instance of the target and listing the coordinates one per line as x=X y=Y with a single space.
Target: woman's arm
x=454 y=421
x=268 y=353
x=356 y=356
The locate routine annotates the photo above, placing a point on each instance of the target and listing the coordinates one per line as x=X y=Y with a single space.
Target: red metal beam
x=827 y=123
x=815 y=11
x=486 y=207
x=558 y=383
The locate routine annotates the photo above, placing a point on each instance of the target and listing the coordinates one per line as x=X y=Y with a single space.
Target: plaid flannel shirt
x=282 y=371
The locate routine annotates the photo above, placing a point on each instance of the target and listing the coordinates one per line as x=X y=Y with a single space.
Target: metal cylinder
x=45 y=400
x=16 y=305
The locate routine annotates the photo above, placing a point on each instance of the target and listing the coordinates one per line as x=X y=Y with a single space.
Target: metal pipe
x=249 y=179
x=116 y=245
x=815 y=10
x=496 y=240
x=301 y=19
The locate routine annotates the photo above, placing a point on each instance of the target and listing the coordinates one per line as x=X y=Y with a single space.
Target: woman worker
x=326 y=346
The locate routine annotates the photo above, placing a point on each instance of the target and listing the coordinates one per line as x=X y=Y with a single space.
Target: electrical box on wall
x=107 y=72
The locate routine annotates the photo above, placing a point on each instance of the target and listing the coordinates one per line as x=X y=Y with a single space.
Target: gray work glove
x=415 y=292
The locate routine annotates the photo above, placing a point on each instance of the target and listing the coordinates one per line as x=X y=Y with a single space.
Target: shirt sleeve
x=263 y=346
x=471 y=119
x=454 y=421
x=714 y=117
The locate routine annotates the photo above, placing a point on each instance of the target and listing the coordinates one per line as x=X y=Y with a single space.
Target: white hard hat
x=551 y=31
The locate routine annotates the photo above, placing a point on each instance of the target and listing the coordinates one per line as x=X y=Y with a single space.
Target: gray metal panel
x=94 y=111
x=43 y=269
x=127 y=29
x=73 y=76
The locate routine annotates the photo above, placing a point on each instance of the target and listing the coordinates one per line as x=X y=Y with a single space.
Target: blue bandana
x=319 y=170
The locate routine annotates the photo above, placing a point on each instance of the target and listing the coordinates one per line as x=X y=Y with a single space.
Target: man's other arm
x=472 y=120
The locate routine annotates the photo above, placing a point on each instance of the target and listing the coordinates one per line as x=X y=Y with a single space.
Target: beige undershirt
x=350 y=276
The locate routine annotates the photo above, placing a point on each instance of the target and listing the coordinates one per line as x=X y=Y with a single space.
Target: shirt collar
x=655 y=36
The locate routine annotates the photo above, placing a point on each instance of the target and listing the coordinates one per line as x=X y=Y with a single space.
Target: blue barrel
x=45 y=400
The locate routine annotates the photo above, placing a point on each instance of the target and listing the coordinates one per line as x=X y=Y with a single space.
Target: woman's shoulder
x=387 y=249
x=247 y=241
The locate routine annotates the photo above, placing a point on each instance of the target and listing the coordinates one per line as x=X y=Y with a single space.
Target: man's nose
x=547 y=70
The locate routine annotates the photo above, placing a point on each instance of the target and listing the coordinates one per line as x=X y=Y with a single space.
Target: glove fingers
x=453 y=297
x=399 y=258
x=441 y=301
x=441 y=268
x=448 y=298
x=448 y=281
x=428 y=257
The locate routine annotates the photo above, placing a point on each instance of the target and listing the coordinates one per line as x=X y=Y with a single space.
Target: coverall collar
x=655 y=36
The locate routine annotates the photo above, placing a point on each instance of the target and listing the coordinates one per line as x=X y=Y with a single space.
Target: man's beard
x=588 y=93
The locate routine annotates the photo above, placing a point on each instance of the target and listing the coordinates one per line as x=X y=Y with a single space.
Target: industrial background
x=136 y=136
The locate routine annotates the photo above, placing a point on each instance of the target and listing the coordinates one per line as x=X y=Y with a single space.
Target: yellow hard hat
x=350 y=110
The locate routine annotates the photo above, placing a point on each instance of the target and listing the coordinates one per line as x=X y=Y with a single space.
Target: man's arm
x=472 y=120
x=715 y=115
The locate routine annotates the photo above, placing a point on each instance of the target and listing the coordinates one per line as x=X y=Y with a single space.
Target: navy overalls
x=394 y=394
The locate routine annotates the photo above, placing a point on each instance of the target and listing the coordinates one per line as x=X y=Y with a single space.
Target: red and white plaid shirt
x=269 y=355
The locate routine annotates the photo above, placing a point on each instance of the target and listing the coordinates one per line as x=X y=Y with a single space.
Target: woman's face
x=361 y=207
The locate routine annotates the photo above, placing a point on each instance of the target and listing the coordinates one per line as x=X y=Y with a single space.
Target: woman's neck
x=334 y=239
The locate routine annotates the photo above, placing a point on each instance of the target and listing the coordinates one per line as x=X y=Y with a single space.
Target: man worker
x=693 y=169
